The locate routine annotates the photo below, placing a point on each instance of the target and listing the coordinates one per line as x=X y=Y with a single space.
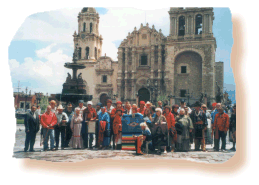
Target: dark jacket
x=30 y=123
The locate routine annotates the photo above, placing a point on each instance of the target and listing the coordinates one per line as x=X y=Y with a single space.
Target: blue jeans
x=50 y=133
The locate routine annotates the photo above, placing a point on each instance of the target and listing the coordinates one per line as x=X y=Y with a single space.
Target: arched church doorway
x=144 y=94
x=103 y=99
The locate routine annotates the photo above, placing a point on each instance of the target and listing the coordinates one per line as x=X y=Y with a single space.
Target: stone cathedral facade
x=181 y=65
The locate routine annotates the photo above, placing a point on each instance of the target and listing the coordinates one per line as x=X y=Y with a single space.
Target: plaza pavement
x=77 y=155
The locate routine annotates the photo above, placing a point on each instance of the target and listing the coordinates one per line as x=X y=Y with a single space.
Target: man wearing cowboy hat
x=61 y=126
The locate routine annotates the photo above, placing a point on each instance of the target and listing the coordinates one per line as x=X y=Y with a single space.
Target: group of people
x=164 y=128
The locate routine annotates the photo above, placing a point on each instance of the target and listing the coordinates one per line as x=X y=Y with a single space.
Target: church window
x=181 y=30
x=79 y=53
x=91 y=27
x=84 y=27
x=183 y=93
x=104 y=80
x=21 y=105
x=87 y=52
x=143 y=60
x=144 y=36
x=95 y=53
x=198 y=24
x=183 y=69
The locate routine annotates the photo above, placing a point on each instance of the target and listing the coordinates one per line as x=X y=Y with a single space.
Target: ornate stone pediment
x=103 y=88
x=104 y=66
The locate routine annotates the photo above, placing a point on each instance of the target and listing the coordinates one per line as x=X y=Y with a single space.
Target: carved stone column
x=159 y=61
x=133 y=59
x=126 y=89
x=152 y=61
x=126 y=63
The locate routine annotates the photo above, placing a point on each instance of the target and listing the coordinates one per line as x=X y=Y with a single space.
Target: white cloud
x=42 y=53
x=13 y=64
x=59 y=26
x=44 y=76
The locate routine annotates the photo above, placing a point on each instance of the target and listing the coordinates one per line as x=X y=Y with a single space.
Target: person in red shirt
x=48 y=121
x=117 y=128
x=171 y=124
x=142 y=107
x=113 y=112
x=89 y=114
x=220 y=127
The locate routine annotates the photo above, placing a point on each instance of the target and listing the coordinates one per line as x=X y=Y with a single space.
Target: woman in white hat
x=159 y=120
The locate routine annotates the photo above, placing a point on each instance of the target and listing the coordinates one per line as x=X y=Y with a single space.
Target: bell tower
x=88 y=41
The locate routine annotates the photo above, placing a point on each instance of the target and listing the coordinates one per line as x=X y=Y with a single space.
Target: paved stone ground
x=77 y=155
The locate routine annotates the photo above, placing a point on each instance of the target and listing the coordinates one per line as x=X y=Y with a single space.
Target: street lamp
x=189 y=95
x=153 y=88
x=169 y=98
x=26 y=95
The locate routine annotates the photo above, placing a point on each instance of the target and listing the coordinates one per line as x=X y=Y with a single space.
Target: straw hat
x=60 y=107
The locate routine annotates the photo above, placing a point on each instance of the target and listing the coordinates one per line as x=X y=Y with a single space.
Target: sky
x=44 y=42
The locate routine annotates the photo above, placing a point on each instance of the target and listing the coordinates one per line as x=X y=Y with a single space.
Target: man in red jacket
x=220 y=126
x=48 y=121
x=171 y=124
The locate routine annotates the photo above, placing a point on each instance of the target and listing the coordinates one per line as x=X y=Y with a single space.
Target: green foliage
x=162 y=98
x=43 y=104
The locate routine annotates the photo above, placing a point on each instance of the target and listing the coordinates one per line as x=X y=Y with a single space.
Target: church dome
x=88 y=10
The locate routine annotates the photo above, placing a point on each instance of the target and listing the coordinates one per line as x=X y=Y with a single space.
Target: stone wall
x=219 y=75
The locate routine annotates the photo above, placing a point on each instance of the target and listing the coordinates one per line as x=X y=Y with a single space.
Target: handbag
x=179 y=128
x=172 y=131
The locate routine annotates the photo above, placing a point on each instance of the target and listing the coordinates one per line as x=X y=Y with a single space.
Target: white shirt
x=81 y=109
x=109 y=110
x=189 y=110
x=59 y=117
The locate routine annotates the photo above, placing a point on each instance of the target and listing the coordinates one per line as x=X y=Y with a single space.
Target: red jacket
x=117 y=126
x=48 y=119
x=114 y=112
x=170 y=120
x=88 y=114
x=222 y=121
